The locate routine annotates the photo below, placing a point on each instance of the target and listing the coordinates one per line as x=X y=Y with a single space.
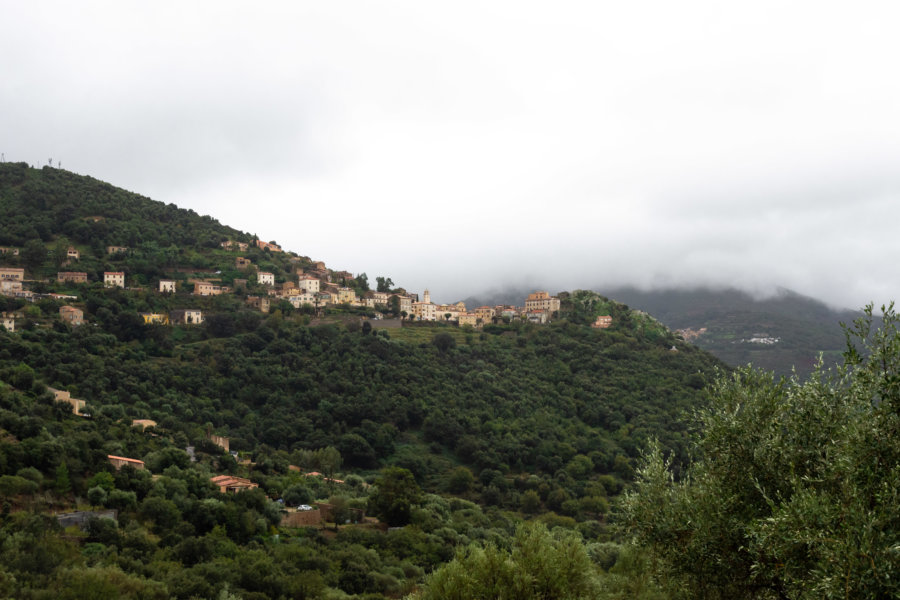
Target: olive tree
x=795 y=488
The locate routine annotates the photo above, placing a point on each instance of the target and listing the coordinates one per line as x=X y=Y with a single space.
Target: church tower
x=426 y=297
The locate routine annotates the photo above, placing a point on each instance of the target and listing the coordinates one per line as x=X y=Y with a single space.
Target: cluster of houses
x=313 y=285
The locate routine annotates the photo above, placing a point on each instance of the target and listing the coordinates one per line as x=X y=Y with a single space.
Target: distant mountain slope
x=802 y=326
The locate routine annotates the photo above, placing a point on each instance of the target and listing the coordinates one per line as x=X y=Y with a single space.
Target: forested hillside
x=458 y=437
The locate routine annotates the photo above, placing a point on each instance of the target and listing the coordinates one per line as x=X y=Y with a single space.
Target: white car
x=304 y=507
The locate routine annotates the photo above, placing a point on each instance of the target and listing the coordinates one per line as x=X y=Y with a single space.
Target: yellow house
x=346 y=294
x=157 y=318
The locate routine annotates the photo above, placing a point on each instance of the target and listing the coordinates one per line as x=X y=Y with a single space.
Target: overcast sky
x=462 y=146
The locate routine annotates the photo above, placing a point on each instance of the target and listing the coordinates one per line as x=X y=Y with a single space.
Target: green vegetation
x=794 y=493
x=488 y=463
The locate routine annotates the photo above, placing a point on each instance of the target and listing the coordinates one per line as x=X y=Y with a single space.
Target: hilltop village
x=307 y=285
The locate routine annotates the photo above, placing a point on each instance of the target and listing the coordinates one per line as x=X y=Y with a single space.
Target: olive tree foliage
x=795 y=489
x=541 y=565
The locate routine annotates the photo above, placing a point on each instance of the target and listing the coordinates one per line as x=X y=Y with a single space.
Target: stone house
x=116 y=249
x=71 y=315
x=120 y=461
x=242 y=263
x=261 y=303
x=485 y=314
x=542 y=301
x=71 y=277
x=114 y=279
x=467 y=319
x=220 y=441
x=537 y=316
x=11 y=274
x=72 y=253
x=267 y=246
x=205 y=288
x=8 y=321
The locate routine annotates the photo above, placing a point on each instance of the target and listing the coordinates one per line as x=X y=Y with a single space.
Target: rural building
x=71 y=277
x=536 y=316
x=10 y=274
x=167 y=286
x=346 y=295
x=72 y=253
x=232 y=245
x=120 y=461
x=542 y=301
x=116 y=249
x=220 y=441
x=467 y=319
x=143 y=423
x=8 y=321
x=205 y=288
x=484 y=314
x=271 y=247
x=602 y=322
x=242 y=263
x=424 y=311
x=114 y=279
x=309 y=283
x=262 y=304
x=155 y=318
x=64 y=396
x=265 y=278
x=71 y=315
x=186 y=316
x=229 y=484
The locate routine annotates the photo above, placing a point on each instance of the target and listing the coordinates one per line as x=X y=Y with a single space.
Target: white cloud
x=464 y=144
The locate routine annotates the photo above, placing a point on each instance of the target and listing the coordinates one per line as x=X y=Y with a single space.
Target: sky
x=469 y=146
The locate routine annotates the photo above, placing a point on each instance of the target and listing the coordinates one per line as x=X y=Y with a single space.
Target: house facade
x=71 y=315
x=542 y=301
x=602 y=322
x=205 y=288
x=265 y=278
x=71 y=277
x=114 y=279
x=186 y=316
x=166 y=286
x=11 y=274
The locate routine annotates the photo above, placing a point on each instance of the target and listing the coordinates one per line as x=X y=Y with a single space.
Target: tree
x=384 y=284
x=63 y=484
x=34 y=254
x=395 y=492
x=793 y=494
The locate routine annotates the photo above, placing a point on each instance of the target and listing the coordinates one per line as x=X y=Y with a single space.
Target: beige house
x=541 y=301
x=10 y=274
x=8 y=321
x=116 y=249
x=71 y=315
x=241 y=263
x=299 y=299
x=346 y=295
x=167 y=286
x=205 y=288
x=71 y=277
x=263 y=304
x=265 y=278
x=271 y=247
x=220 y=441
x=229 y=484
x=9 y=287
x=602 y=322
x=424 y=311
x=120 y=461
x=309 y=283
x=232 y=245
x=72 y=253
x=467 y=319
x=537 y=316
x=63 y=396
x=114 y=279
x=485 y=314
x=186 y=316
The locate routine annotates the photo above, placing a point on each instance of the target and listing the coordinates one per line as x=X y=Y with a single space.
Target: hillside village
x=306 y=285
